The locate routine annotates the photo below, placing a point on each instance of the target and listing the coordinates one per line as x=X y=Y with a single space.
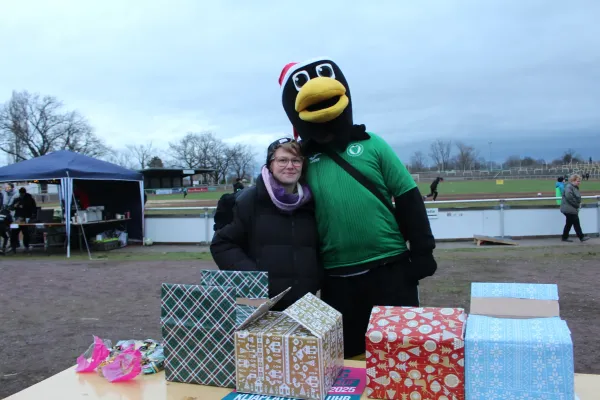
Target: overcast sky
x=154 y=69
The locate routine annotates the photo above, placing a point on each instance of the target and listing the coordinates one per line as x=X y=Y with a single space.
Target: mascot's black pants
x=355 y=297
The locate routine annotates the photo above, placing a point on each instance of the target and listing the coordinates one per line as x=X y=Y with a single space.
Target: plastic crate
x=107 y=245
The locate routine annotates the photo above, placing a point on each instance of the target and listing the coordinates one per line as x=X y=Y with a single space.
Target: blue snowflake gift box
x=516 y=345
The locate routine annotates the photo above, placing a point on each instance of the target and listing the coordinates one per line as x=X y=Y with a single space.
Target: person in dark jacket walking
x=433 y=188
x=274 y=228
x=25 y=209
x=571 y=203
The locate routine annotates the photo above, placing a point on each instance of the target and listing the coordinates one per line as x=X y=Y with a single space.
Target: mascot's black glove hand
x=422 y=266
x=414 y=225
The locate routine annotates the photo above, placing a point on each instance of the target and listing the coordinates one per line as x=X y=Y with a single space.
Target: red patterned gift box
x=416 y=353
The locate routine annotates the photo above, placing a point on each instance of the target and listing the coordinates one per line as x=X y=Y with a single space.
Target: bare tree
x=513 y=161
x=440 y=153
x=480 y=163
x=142 y=153
x=220 y=158
x=155 y=162
x=185 y=152
x=203 y=150
x=418 y=162
x=121 y=158
x=466 y=157
x=571 y=156
x=242 y=160
x=32 y=126
x=528 y=161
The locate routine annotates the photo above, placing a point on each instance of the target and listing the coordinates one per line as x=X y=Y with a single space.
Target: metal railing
x=474 y=201
x=507 y=200
x=207 y=212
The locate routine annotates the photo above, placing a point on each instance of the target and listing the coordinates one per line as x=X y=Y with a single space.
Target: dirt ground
x=51 y=308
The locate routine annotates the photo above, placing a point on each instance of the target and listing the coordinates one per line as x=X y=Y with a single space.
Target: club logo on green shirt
x=355 y=150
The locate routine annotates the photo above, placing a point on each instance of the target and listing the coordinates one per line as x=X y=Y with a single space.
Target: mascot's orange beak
x=321 y=100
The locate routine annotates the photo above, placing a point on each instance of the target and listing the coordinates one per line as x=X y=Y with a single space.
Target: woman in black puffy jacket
x=274 y=228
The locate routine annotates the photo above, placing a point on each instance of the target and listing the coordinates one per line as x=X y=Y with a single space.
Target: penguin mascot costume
x=353 y=175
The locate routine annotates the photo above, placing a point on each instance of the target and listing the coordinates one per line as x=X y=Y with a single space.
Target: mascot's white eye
x=325 y=70
x=300 y=78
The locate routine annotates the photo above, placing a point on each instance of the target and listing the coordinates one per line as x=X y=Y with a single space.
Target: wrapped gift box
x=516 y=345
x=250 y=285
x=197 y=326
x=199 y=321
x=296 y=353
x=415 y=353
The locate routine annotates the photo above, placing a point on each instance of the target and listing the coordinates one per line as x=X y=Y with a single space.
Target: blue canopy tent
x=67 y=166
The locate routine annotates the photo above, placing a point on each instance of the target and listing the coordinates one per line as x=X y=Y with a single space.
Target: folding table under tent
x=67 y=166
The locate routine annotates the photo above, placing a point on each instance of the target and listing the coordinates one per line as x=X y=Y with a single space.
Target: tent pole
x=143 y=212
x=67 y=215
x=87 y=246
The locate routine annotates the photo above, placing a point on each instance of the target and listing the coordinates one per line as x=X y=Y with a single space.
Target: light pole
x=490 y=143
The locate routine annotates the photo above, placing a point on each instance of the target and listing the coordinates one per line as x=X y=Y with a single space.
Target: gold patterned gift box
x=296 y=353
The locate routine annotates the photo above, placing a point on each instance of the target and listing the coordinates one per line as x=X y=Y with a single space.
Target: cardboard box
x=516 y=345
x=415 y=353
x=198 y=324
x=296 y=353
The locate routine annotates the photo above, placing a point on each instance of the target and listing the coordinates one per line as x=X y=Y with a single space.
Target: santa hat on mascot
x=281 y=81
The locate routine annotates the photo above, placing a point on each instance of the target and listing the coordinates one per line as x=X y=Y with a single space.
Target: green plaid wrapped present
x=197 y=325
x=249 y=285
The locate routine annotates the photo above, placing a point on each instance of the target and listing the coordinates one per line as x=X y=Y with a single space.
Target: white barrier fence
x=446 y=223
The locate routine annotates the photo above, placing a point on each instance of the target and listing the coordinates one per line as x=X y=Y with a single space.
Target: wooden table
x=38 y=225
x=70 y=385
x=80 y=231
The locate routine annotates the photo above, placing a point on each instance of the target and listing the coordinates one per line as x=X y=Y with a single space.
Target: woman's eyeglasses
x=284 y=161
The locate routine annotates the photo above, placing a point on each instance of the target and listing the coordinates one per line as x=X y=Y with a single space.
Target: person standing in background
x=571 y=203
x=238 y=185
x=25 y=210
x=559 y=189
x=9 y=196
x=5 y=221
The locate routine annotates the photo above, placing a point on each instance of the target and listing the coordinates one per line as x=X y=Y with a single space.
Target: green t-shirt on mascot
x=363 y=245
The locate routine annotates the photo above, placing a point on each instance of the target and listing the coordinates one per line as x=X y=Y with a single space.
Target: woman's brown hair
x=294 y=148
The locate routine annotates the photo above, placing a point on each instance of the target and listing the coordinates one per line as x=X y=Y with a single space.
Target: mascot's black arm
x=414 y=226
x=410 y=211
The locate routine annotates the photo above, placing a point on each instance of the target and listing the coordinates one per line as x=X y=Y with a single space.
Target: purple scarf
x=282 y=200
